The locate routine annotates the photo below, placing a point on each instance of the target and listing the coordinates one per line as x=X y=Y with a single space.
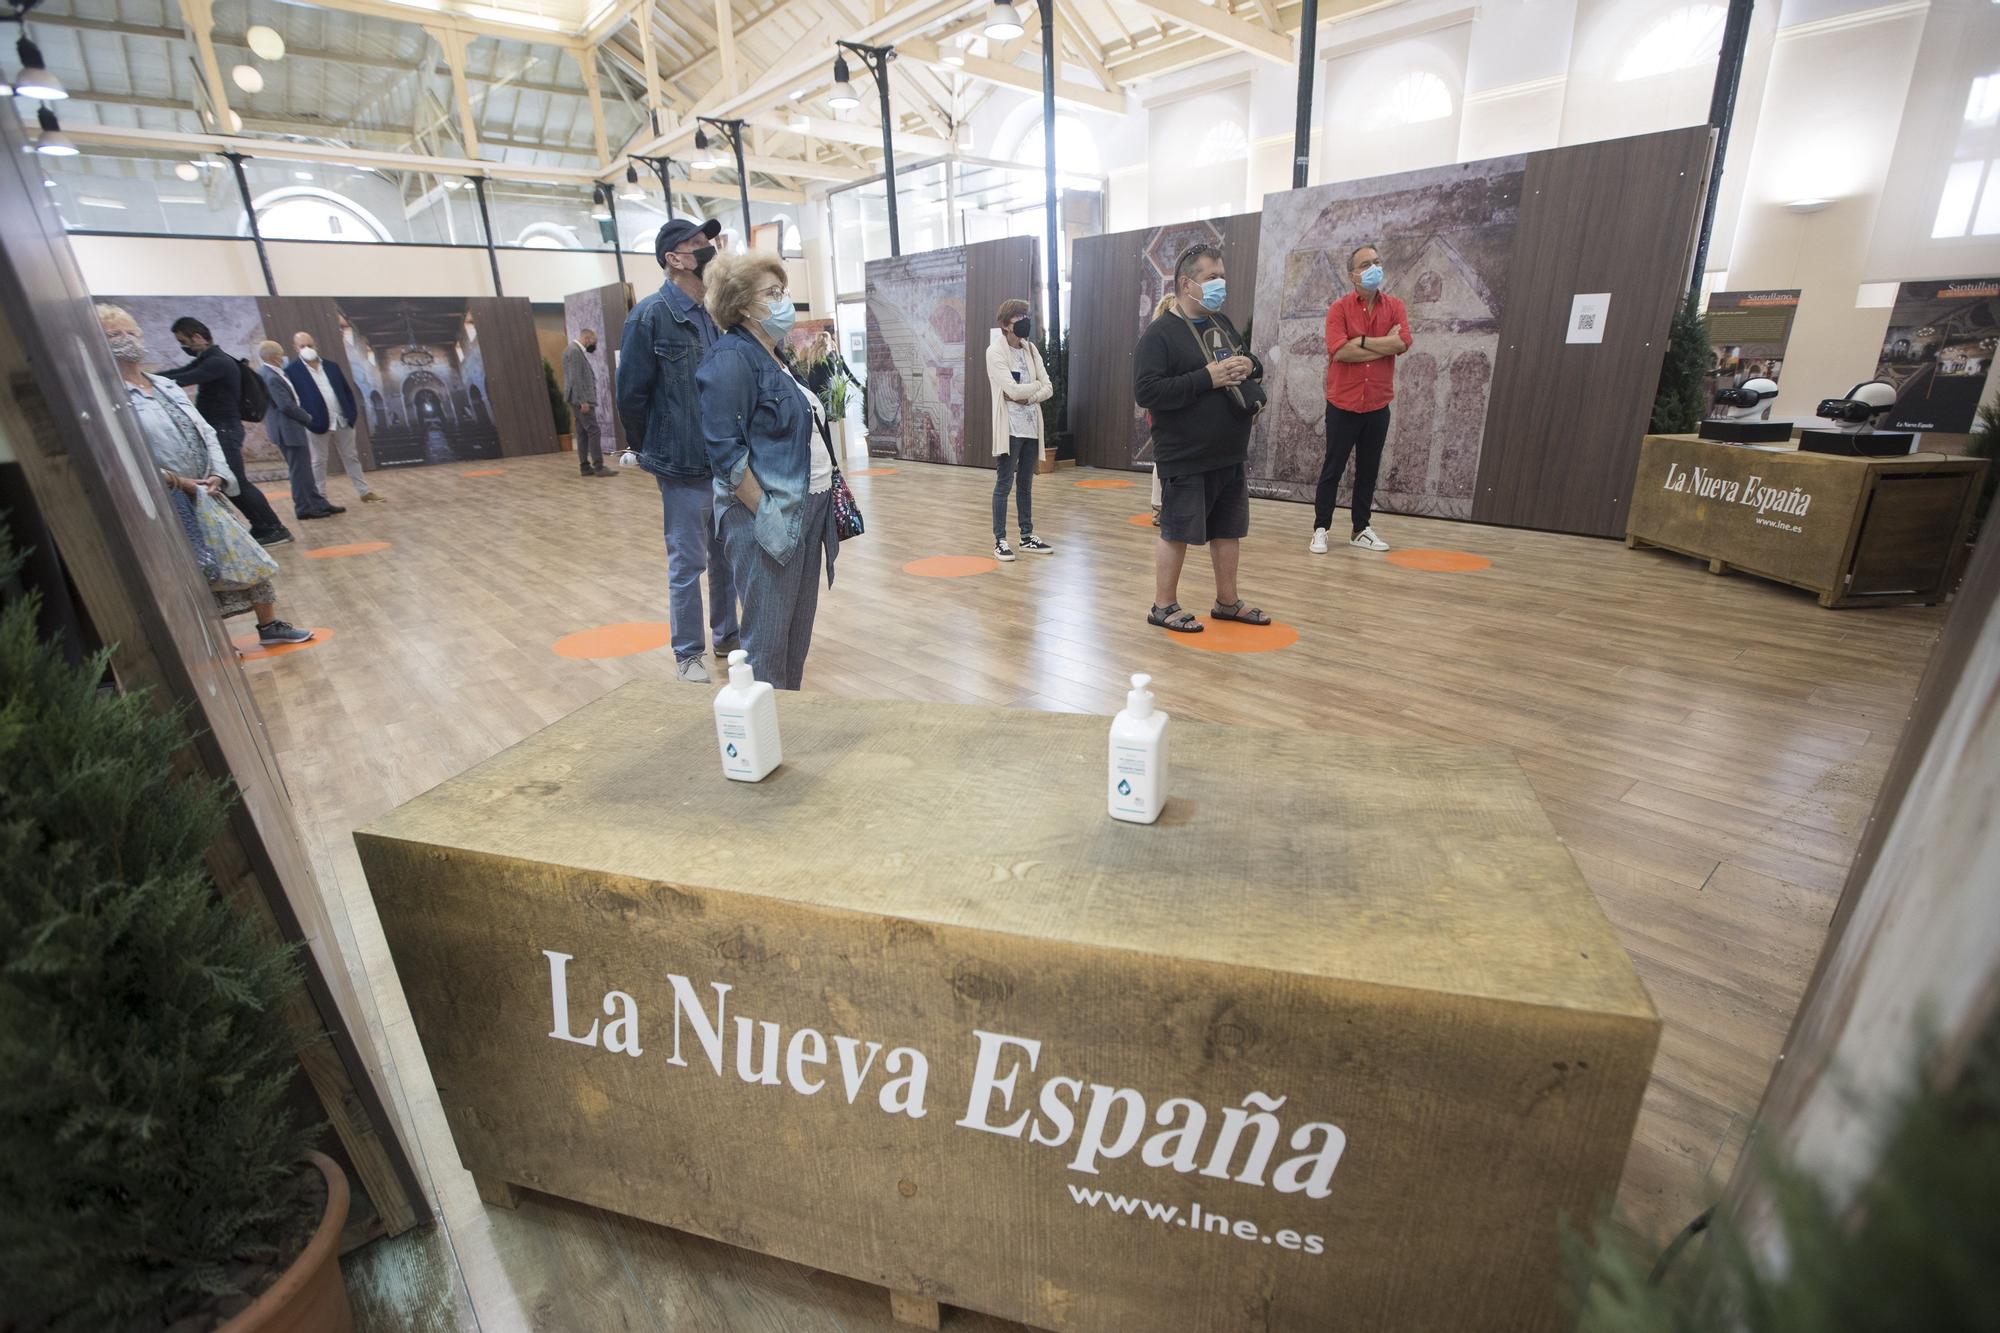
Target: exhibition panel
x=1568 y=410
x=927 y=334
x=1489 y=258
x=1236 y=1067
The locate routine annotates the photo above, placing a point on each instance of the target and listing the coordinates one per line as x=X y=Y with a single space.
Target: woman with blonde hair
x=773 y=479
x=193 y=472
x=1020 y=386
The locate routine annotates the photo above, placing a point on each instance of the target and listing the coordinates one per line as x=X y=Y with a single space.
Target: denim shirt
x=754 y=417
x=664 y=340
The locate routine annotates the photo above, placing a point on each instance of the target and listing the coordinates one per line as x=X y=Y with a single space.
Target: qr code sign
x=1587 y=320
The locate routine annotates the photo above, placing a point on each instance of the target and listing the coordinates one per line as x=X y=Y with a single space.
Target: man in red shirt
x=1366 y=330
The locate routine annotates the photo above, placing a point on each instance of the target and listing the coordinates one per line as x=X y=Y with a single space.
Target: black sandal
x=1175 y=618
x=1240 y=613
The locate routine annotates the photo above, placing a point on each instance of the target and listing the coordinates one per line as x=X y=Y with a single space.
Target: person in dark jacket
x=285 y=422
x=666 y=336
x=325 y=394
x=217 y=380
x=1188 y=371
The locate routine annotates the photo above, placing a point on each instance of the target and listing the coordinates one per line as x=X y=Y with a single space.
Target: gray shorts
x=1201 y=507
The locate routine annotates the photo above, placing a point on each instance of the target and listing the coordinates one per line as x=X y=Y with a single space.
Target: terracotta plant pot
x=567 y=442
x=310 y=1296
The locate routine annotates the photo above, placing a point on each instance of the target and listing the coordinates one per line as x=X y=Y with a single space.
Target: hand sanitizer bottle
x=746 y=723
x=1138 y=786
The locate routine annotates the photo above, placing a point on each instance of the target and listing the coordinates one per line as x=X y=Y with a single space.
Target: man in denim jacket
x=666 y=336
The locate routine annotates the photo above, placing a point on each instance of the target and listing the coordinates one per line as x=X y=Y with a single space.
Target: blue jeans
x=780 y=601
x=688 y=508
x=306 y=498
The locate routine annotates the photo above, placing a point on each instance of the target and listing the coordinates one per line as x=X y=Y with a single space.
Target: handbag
x=1222 y=343
x=240 y=561
x=183 y=504
x=846 y=514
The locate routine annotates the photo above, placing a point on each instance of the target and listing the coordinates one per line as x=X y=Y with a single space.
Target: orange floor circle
x=873 y=472
x=484 y=472
x=951 y=566
x=1228 y=636
x=1144 y=520
x=254 y=651
x=352 y=548
x=1439 y=562
x=1105 y=484
x=620 y=640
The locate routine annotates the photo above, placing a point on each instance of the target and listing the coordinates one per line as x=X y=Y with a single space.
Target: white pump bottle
x=1138 y=785
x=746 y=723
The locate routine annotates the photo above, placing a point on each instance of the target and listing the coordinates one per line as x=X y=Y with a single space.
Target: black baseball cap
x=673 y=233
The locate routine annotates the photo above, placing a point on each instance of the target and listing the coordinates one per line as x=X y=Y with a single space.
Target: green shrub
x=557 y=407
x=1681 y=401
x=149 y=1156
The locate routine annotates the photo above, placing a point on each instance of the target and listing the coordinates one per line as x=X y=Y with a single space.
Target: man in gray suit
x=286 y=424
x=580 y=392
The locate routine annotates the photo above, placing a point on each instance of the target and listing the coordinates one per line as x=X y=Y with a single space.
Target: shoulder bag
x=1219 y=344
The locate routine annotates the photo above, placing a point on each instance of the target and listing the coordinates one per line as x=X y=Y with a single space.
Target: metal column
x=250 y=217
x=486 y=230
x=1302 y=134
x=1048 y=13
x=1721 y=115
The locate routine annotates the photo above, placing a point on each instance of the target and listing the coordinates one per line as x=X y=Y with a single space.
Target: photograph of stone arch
x=1446 y=236
x=420 y=376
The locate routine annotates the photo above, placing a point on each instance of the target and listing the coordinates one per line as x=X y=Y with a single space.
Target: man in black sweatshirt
x=217 y=381
x=1188 y=371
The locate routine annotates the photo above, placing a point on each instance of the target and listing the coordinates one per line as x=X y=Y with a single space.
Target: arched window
x=1076 y=149
x=306 y=213
x=1687 y=36
x=1413 y=99
x=547 y=236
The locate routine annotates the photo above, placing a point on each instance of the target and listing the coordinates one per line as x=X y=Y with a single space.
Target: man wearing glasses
x=1366 y=330
x=666 y=336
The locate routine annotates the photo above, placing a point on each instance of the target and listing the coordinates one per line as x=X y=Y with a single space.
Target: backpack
x=253 y=400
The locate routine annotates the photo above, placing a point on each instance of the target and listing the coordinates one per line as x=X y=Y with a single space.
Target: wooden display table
x=1335 y=1044
x=1857 y=531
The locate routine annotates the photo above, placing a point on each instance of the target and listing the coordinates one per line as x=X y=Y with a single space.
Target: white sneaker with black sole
x=1003 y=552
x=1366 y=540
x=1318 y=544
x=1031 y=543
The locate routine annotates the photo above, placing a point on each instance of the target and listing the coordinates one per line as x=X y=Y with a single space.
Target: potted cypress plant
x=155 y=1171
x=1681 y=400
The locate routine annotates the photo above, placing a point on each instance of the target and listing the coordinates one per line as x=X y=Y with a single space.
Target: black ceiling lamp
x=842 y=97
x=35 y=80
x=631 y=174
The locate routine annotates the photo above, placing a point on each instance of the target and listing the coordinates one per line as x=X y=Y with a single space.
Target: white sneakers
x=1365 y=540
x=691 y=671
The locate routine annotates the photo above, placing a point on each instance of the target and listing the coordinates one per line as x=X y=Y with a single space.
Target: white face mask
x=308 y=354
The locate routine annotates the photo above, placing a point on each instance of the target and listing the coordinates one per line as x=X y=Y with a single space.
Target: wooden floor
x=1707 y=747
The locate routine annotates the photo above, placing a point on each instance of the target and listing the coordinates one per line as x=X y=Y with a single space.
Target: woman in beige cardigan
x=1020 y=385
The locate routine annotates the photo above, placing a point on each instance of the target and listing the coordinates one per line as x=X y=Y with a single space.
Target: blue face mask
x=1371 y=278
x=779 y=322
x=1214 y=292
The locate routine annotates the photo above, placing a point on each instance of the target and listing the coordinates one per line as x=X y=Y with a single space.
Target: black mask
x=701 y=258
x=1021 y=327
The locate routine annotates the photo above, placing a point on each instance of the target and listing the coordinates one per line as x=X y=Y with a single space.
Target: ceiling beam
x=586 y=61
x=199 y=15
x=844 y=132
x=1081 y=45
x=725 y=45
x=177 y=144
x=1217 y=22
x=742 y=34
x=1013 y=76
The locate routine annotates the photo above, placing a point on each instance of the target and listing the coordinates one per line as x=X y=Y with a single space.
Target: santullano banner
x=1938 y=352
x=1747 y=336
x=1015 y=1092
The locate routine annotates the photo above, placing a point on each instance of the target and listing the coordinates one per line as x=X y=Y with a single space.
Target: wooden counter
x=1857 y=531
x=1335 y=1044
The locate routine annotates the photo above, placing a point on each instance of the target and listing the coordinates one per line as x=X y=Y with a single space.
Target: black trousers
x=264 y=521
x=1359 y=433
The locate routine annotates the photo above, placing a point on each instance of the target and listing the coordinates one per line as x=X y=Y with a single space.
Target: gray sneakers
x=691 y=670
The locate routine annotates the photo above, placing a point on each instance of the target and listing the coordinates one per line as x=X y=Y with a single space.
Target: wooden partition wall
x=1558 y=441
x=928 y=316
x=64 y=414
